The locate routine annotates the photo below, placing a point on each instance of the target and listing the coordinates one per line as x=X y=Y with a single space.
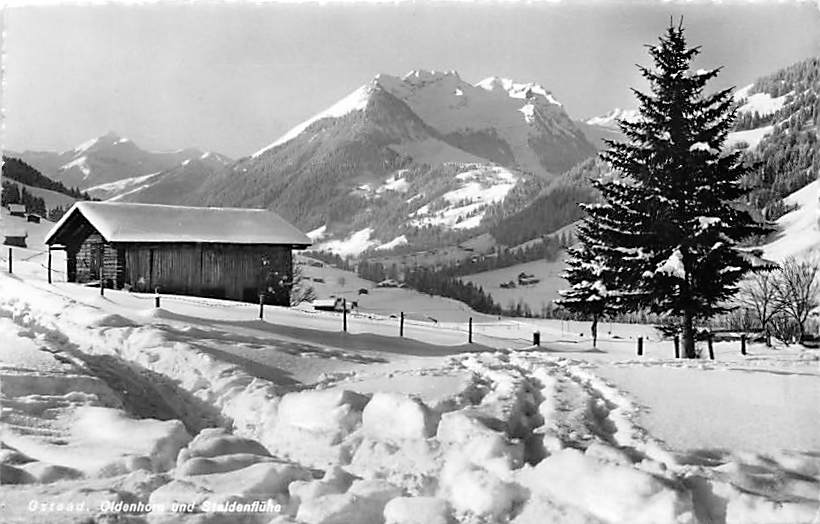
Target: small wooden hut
x=229 y=253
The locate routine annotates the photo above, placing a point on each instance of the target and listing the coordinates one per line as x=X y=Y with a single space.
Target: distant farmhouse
x=17 y=210
x=227 y=253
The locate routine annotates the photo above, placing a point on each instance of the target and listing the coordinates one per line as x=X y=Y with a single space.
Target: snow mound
x=605 y=491
x=391 y=416
x=311 y=425
x=417 y=510
x=363 y=504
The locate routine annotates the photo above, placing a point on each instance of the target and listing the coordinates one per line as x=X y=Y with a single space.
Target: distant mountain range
x=430 y=159
x=111 y=165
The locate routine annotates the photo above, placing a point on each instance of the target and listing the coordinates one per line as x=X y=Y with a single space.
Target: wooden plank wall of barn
x=214 y=270
x=88 y=261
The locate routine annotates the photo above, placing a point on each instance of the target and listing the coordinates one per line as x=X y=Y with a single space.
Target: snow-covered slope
x=799 y=231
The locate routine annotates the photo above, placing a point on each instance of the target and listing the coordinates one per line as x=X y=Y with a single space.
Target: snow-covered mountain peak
x=423 y=76
x=525 y=91
x=610 y=119
x=107 y=140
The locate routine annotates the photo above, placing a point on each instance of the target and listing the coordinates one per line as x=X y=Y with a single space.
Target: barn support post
x=49 y=264
x=102 y=280
x=470 y=332
x=401 y=324
x=344 y=315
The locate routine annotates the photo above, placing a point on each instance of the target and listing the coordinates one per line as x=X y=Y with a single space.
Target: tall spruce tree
x=669 y=225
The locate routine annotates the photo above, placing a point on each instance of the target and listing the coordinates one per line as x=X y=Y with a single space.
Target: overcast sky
x=232 y=78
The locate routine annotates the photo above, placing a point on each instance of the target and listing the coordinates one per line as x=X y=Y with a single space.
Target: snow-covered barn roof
x=17 y=208
x=126 y=222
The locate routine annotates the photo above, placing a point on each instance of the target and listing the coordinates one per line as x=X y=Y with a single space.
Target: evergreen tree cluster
x=16 y=169
x=434 y=282
x=665 y=236
x=437 y=283
x=12 y=194
x=787 y=159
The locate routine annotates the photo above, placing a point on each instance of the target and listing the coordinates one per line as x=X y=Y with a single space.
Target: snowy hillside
x=799 y=230
x=107 y=159
x=401 y=155
x=109 y=400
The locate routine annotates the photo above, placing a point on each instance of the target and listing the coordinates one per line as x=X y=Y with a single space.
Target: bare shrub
x=796 y=291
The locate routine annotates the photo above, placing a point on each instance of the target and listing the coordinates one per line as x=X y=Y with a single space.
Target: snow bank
x=608 y=492
x=256 y=483
x=102 y=442
x=363 y=504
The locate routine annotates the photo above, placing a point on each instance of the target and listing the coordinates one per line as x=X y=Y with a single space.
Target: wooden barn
x=227 y=253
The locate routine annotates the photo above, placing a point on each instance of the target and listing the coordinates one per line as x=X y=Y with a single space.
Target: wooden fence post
x=536 y=338
x=677 y=346
x=49 y=264
x=156 y=297
x=711 y=348
x=743 y=343
x=401 y=324
x=344 y=314
x=470 y=332
x=261 y=306
x=11 y=268
x=640 y=346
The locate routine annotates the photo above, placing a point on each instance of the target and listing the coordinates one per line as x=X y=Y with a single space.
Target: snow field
x=61 y=422
x=501 y=437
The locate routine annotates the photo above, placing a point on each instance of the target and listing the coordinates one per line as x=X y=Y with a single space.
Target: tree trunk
x=688 y=335
x=594 y=330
